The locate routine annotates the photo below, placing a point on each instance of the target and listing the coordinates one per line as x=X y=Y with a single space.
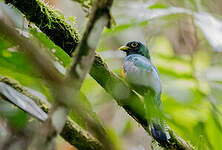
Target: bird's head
x=135 y=47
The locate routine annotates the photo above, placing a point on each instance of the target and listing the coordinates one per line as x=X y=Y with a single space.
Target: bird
x=143 y=77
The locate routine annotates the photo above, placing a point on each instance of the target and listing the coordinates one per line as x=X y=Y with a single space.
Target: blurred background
x=184 y=38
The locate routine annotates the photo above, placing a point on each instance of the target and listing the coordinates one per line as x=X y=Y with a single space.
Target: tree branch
x=62 y=93
x=84 y=56
x=71 y=132
x=112 y=84
x=49 y=21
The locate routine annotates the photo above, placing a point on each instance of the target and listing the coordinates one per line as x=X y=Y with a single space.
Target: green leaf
x=16 y=65
x=214 y=132
x=158 y=6
x=53 y=49
x=122 y=27
x=162 y=46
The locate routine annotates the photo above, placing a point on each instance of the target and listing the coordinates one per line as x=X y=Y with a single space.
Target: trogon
x=142 y=76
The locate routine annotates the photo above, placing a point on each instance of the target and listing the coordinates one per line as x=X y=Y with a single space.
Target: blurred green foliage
x=189 y=67
x=16 y=118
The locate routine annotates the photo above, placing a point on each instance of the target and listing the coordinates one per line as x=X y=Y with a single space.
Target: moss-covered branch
x=108 y=80
x=71 y=132
x=50 y=22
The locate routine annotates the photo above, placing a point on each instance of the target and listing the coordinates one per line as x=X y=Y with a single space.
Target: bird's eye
x=134 y=44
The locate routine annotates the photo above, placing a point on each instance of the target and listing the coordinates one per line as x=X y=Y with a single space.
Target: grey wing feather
x=140 y=71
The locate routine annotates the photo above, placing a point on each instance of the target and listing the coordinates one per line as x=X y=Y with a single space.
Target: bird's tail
x=159 y=132
x=154 y=117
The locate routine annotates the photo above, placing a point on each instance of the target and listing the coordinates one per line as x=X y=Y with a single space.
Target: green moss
x=52 y=23
x=12 y=83
x=72 y=133
x=85 y=3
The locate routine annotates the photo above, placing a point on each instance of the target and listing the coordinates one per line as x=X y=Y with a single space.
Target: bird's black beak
x=124 y=48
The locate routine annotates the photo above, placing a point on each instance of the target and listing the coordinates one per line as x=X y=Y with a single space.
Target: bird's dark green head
x=135 y=47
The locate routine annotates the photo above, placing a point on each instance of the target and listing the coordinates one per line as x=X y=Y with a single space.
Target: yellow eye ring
x=134 y=44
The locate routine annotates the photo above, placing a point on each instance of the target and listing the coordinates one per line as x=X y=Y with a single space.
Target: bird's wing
x=139 y=71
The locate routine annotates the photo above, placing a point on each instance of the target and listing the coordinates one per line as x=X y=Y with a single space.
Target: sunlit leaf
x=158 y=5
x=214 y=133
x=118 y=28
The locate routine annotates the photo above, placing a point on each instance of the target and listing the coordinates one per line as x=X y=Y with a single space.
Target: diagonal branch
x=84 y=56
x=71 y=132
x=49 y=21
x=62 y=94
x=109 y=81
